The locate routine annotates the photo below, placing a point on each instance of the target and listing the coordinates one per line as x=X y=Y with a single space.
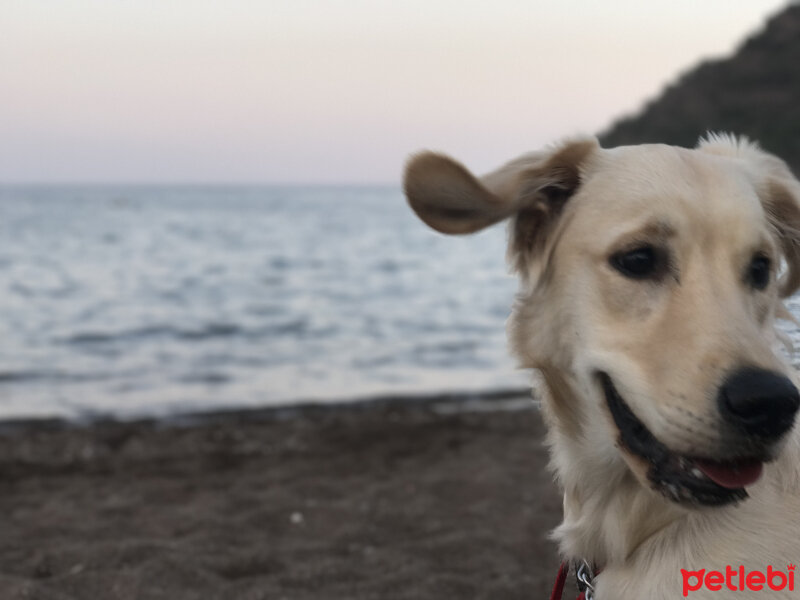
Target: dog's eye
x=639 y=263
x=759 y=272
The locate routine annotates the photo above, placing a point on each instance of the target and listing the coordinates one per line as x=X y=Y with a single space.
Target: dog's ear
x=450 y=199
x=781 y=200
x=779 y=191
x=531 y=188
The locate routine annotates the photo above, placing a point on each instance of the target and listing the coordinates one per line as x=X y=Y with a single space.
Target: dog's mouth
x=683 y=479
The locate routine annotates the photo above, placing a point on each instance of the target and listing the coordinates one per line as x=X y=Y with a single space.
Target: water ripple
x=145 y=299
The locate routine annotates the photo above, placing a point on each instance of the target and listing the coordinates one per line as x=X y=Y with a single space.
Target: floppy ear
x=779 y=191
x=782 y=204
x=450 y=199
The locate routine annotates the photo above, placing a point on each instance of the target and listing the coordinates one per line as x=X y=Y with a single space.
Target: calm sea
x=132 y=301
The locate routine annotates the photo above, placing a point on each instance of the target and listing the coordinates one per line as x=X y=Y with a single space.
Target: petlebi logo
x=739 y=579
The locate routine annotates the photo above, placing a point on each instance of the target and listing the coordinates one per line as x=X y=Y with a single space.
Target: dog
x=650 y=281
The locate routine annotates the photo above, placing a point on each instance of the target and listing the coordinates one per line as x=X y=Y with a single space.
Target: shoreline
x=390 y=499
x=497 y=399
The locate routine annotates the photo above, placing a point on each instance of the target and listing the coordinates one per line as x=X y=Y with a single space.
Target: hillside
x=755 y=92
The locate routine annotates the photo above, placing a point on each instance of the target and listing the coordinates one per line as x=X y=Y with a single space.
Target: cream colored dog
x=650 y=280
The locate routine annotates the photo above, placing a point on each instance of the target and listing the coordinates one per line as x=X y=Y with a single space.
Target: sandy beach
x=383 y=500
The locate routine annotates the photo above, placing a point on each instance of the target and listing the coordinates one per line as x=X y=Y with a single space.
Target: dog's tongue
x=734 y=474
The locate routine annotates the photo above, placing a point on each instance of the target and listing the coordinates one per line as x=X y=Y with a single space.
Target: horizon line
x=174 y=183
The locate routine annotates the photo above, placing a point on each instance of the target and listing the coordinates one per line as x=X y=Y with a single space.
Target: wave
x=209 y=331
x=23 y=376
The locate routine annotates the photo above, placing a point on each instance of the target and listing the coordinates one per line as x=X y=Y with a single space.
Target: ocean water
x=136 y=301
x=130 y=301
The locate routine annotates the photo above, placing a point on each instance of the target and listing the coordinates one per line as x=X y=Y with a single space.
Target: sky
x=329 y=91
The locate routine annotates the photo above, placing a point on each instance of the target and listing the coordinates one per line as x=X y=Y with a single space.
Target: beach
x=424 y=500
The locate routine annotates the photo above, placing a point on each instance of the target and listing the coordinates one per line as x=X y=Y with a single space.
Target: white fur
x=667 y=346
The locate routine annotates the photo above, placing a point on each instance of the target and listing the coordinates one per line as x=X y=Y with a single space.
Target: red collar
x=561 y=578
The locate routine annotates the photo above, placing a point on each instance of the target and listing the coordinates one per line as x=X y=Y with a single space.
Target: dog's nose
x=759 y=402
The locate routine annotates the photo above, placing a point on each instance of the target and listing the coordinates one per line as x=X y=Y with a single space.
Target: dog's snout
x=759 y=402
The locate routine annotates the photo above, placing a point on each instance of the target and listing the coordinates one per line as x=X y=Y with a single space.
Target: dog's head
x=651 y=277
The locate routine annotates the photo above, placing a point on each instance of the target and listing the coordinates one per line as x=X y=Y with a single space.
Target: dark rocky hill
x=755 y=92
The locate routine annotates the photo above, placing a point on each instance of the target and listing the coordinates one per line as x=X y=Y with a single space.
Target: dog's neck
x=607 y=512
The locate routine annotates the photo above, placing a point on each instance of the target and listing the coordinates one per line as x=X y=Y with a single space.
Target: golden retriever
x=651 y=277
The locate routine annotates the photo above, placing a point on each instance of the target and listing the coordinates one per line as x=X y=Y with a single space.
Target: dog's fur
x=667 y=343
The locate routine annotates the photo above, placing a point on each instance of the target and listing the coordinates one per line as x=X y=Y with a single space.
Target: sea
x=145 y=301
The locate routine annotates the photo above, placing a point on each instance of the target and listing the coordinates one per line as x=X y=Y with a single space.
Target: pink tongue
x=731 y=474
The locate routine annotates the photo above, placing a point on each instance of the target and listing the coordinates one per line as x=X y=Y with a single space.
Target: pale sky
x=328 y=91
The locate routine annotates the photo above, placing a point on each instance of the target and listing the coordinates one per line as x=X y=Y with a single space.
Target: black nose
x=759 y=402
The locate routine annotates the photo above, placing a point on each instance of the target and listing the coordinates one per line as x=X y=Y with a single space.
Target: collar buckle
x=584 y=576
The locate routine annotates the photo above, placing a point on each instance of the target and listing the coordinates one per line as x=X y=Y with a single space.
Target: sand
x=372 y=501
